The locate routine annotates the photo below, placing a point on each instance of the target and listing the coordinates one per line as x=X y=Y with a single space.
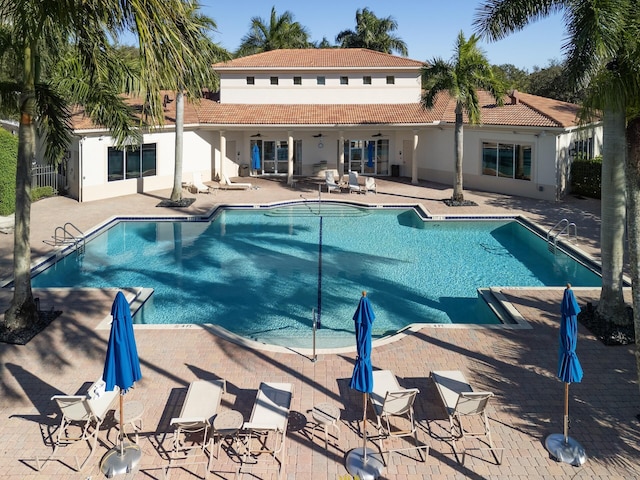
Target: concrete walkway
x=517 y=365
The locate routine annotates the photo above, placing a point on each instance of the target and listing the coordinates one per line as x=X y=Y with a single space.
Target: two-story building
x=346 y=109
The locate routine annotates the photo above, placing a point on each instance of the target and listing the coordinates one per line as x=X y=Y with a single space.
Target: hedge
x=8 y=159
x=586 y=177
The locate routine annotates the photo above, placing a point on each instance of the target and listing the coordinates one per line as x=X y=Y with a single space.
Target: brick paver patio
x=517 y=365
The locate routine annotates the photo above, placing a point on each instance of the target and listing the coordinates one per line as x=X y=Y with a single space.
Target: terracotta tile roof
x=191 y=112
x=528 y=110
x=319 y=58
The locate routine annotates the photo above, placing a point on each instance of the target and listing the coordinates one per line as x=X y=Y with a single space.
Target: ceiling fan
x=378 y=135
x=320 y=135
x=256 y=135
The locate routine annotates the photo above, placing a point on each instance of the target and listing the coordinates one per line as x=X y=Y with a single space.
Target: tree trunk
x=176 y=193
x=633 y=205
x=458 y=196
x=22 y=311
x=611 y=307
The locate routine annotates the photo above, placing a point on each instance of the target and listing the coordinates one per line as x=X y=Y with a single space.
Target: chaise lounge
x=227 y=184
x=266 y=430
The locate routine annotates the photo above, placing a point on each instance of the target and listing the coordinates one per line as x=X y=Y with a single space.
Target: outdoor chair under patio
x=227 y=184
x=353 y=184
x=467 y=411
x=332 y=186
x=266 y=430
x=389 y=400
x=197 y=185
x=82 y=416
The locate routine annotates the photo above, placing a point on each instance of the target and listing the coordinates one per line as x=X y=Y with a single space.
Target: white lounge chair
x=82 y=416
x=266 y=430
x=227 y=184
x=463 y=405
x=199 y=408
x=354 y=186
x=388 y=400
x=369 y=185
x=198 y=186
x=332 y=186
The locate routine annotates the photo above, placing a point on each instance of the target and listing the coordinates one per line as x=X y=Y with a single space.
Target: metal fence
x=45 y=176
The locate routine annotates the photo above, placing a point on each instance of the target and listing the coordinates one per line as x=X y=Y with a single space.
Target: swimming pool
x=256 y=271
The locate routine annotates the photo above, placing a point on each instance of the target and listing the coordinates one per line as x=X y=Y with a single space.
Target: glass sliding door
x=370 y=157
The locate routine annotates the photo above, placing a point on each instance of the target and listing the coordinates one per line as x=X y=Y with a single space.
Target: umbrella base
x=355 y=464
x=120 y=460
x=569 y=451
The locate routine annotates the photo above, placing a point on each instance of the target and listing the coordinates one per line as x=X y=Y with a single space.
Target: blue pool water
x=255 y=271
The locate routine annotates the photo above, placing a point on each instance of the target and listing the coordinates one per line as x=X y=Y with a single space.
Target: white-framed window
x=273 y=80
x=320 y=80
x=251 y=80
x=582 y=149
x=366 y=80
x=391 y=80
x=297 y=80
x=344 y=80
x=506 y=160
x=132 y=162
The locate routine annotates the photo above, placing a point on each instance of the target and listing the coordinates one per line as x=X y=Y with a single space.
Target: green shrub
x=586 y=177
x=8 y=159
x=41 y=192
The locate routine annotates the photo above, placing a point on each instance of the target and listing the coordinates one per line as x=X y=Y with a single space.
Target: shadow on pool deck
x=517 y=365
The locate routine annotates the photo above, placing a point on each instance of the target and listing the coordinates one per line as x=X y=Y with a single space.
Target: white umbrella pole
x=566 y=413
x=121 y=424
x=364 y=428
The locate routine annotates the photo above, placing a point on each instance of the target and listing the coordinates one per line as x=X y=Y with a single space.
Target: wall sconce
x=320 y=144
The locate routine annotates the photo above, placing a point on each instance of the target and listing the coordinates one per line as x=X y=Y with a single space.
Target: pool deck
x=518 y=365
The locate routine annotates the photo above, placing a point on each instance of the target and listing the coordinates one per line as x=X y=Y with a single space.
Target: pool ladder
x=69 y=234
x=561 y=229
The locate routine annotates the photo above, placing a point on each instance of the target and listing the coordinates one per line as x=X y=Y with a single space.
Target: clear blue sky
x=428 y=27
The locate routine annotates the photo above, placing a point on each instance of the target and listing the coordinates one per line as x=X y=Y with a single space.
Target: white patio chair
x=82 y=416
x=266 y=430
x=198 y=186
x=389 y=400
x=227 y=184
x=332 y=186
x=463 y=405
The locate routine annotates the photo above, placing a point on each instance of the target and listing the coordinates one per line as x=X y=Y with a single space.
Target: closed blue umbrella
x=122 y=369
x=362 y=378
x=122 y=366
x=569 y=368
x=360 y=462
x=255 y=157
x=561 y=446
x=370 y=152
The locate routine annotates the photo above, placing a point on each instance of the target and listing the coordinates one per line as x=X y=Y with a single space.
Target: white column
x=290 y=153
x=414 y=159
x=219 y=163
x=341 y=155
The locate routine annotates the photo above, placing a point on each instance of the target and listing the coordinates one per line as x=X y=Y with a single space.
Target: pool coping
x=137 y=295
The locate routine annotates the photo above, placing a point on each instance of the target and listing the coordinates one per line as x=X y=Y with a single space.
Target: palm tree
x=66 y=58
x=373 y=33
x=281 y=32
x=192 y=80
x=596 y=39
x=462 y=77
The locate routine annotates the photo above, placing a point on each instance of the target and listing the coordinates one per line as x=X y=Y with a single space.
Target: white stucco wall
x=234 y=88
x=437 y=160
x=93 y=166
